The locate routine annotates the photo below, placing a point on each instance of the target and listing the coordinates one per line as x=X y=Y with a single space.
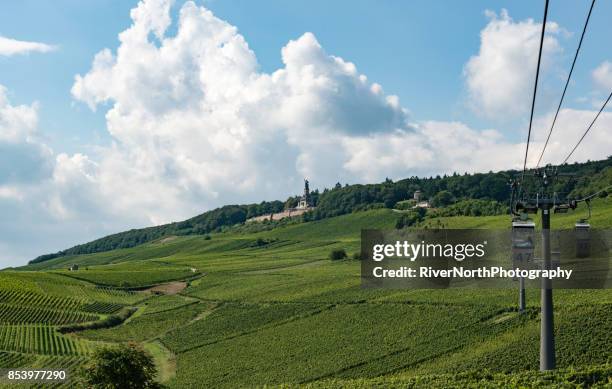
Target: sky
x=124 y=114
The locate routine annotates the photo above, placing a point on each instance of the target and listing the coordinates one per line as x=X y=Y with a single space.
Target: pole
x=547 y=337
x=521 y=295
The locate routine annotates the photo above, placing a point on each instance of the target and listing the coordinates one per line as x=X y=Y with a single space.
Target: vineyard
x=11 y=359
x=41 y=339
x=32 y=299
x=102 y=307
x=11 y=314
x=33 y=305
x=131 y=278
x=267 y=307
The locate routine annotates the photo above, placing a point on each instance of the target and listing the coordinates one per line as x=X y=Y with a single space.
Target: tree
x=291 y=202
x=124 y=367
x=410 y=218
x=442 y=199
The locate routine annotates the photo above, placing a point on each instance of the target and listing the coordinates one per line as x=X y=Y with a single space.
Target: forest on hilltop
x=490 y=189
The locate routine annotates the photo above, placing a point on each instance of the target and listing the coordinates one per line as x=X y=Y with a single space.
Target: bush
x=337 y=254
x=261 y=242
x=357 y=256
x=109 y=321
x=126 y=366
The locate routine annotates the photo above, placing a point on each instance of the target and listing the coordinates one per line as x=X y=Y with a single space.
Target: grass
x=164 y=359
x=146 y=326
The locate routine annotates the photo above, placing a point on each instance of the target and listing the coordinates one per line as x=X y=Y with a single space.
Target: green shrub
x=109 y=321
x=337 y=254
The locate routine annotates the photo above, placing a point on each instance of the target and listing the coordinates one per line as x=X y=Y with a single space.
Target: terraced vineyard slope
x=271 y=308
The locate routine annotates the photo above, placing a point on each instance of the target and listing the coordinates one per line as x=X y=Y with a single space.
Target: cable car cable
x=588 y=129
x=535 y=88
x=594 y=194
x=569 y=76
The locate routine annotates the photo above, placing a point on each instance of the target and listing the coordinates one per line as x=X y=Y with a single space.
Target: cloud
x=9 y=47
x=197 y=125
x=602 y=75
x=31 y=181
x=40 y=189
x=570 y=126
x=499 y=78
x=436 y=147
x=22 y=157
x=16 y=122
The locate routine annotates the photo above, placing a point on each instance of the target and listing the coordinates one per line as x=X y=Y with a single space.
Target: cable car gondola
x=582 y=230
x=523 y=235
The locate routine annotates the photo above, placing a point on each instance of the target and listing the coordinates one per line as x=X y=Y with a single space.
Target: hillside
x=251 y=292
x=340 y=200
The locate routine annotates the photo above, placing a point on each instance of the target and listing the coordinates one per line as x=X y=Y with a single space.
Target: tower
x=305 y=199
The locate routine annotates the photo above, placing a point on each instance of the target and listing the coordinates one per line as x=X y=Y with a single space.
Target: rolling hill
x=267 y=307
x=341 y=200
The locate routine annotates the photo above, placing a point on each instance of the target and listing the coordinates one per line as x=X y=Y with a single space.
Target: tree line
x=450 y=192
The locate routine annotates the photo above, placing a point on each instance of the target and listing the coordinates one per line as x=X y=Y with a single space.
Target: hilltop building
x=422 y=204
x=304 y=205
x=417 y=195
x=305 y=200
x=419 y=201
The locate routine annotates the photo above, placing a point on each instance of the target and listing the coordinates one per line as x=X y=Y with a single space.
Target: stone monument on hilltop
x=305 y=199
x=305 y=204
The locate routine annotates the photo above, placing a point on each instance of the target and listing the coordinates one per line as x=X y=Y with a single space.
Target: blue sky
x=419 y=51
x=416 y=50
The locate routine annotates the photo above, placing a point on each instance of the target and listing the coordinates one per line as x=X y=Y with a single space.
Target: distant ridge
x=340 y=200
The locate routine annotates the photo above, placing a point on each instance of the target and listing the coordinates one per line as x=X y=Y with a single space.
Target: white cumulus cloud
x=196 y=124
x=602 y=75
x=500 y=77
x=23 y=159
x=569 y=128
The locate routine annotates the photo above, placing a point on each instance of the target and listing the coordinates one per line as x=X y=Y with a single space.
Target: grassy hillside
x=341 y=200
x=269 y=307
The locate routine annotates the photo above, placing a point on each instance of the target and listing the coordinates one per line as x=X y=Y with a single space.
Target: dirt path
x=168 y=288
x=164 y=359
